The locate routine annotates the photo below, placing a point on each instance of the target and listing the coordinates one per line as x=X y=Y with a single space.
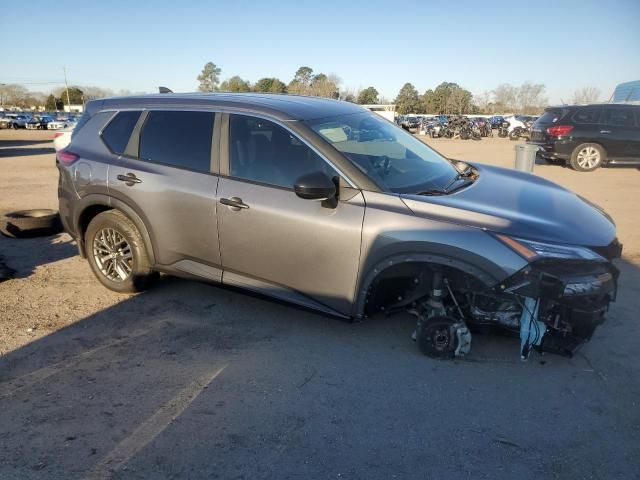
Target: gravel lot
x=190 y=380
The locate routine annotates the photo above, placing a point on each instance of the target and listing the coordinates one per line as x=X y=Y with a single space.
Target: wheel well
x=399 y=286
x=84 y=220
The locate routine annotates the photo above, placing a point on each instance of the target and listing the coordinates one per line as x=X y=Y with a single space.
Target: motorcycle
x=520 y=132
x=503 y=129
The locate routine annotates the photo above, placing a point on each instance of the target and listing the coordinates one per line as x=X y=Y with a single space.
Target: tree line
x=447 y=98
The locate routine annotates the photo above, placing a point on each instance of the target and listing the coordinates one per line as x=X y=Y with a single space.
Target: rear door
x=619 y=125
x=277 y=243
x=168 y=173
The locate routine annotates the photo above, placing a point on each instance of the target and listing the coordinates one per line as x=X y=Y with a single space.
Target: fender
x=482 y=269
x=111 y=202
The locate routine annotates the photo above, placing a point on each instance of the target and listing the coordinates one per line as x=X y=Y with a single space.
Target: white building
x=74 y=108
x=385 y=111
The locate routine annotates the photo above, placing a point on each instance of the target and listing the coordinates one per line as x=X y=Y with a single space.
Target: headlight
x=532 y=250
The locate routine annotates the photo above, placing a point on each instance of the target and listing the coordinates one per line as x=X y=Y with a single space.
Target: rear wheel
x=116 y=253
x=587 y=157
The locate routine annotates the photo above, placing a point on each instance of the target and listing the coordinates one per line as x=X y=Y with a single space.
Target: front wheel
x=587 y=157
x=116 y=253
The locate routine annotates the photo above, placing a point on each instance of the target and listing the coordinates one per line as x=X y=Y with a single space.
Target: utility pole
x=67 y=87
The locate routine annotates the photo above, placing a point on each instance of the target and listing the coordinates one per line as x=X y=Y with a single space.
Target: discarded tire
x=30 y=223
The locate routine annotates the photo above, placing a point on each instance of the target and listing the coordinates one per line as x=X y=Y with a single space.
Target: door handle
x=605 y=131
x=129 y=179
x=234 y=203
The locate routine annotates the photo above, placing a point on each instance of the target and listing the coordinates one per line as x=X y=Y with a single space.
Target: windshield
x=393 y=158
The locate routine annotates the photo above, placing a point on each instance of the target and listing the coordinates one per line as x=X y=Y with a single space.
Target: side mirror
x=315 y=186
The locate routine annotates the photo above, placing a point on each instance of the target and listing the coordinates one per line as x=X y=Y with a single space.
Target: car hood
x=519 y=204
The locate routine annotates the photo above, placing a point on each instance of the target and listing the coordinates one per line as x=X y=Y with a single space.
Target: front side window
x=178 y=139
x=393 y=158
x=262 y=151
x=117 y=133
x=618 y=117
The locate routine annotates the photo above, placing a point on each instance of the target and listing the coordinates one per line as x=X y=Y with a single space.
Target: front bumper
x=573 y=298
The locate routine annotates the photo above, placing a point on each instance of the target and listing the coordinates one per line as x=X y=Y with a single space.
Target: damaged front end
x=554 y=304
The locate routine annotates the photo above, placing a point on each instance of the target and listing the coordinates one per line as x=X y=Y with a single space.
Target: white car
x=59 y=124
x=62 y=138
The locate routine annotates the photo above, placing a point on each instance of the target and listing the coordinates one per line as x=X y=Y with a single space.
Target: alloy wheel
x=112 y=254
x=588 y=157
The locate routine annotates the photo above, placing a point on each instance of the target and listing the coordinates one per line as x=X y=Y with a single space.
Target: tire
x=113 y=233
x=514 y=135
x=587 y=157
x=15 y=126
x=30 y=223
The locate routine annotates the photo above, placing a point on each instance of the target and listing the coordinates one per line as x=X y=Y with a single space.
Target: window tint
x=551 y=116
x=262 y=151
x=587 y=115
x=618 y=117
x=116 y=135
x=179 y=139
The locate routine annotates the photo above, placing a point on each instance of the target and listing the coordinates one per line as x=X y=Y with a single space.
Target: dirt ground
x=191 y=380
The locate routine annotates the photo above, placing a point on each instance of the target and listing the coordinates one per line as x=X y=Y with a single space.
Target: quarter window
x=618 y=117
x=178 y=139
x=264 y=152
x=116 y=134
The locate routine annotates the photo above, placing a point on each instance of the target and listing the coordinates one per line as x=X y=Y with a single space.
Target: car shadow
x=150 y=386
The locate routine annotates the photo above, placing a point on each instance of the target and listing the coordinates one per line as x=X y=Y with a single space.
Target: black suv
x=589 y=136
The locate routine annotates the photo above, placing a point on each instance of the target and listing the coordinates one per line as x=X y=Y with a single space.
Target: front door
x=623 y=135
x=271 y=240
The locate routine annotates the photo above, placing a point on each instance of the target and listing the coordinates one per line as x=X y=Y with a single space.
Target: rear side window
x=587 y=115
x=116 y=134
x=178 y=139
x=551 y=116
x=618 y=117
x=81 y=123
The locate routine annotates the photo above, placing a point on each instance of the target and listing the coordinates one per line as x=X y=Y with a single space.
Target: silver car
x=327 y=205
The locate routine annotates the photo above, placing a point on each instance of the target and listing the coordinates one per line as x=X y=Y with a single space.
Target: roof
x=281 y=106
x=627 y=92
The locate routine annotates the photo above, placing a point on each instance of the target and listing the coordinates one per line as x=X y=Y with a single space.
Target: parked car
x=496 y=121
x=58 y=124
x=14 y=120
x=589 y=136
x=38 y=122
x=325 y=204
x=410 y=123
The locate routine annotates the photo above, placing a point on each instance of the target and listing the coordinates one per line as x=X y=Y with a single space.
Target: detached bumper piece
x=563 y=302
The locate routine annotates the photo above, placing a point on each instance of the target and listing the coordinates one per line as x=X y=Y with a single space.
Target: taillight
x=66 y=157
x=559 y=130
x=59 y=134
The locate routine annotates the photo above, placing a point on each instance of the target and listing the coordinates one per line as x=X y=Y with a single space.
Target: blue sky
x=140 y=45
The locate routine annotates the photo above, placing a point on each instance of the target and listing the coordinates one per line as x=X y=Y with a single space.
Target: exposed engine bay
x=552 y=306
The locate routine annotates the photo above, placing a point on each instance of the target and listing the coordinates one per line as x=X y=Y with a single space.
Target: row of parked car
x=37 y=122
x=463 y=127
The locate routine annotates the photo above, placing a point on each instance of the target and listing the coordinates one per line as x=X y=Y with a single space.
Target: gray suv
x=327 y=205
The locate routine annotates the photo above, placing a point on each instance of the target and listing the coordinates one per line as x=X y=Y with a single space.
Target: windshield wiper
x=466 y=173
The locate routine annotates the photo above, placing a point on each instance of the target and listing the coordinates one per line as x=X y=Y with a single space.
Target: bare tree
x=530 y=98
x=483 y=101
x=505 y=97
x=586 y=95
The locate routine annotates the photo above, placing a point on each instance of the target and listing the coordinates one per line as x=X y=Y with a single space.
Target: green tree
x=270 y=85
x=73 y=96
x=209 y=78
x=51 y=104
x=429 y=104
x=235 y=84
x=407 y=100
x=301 y=83
x=368 y=96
